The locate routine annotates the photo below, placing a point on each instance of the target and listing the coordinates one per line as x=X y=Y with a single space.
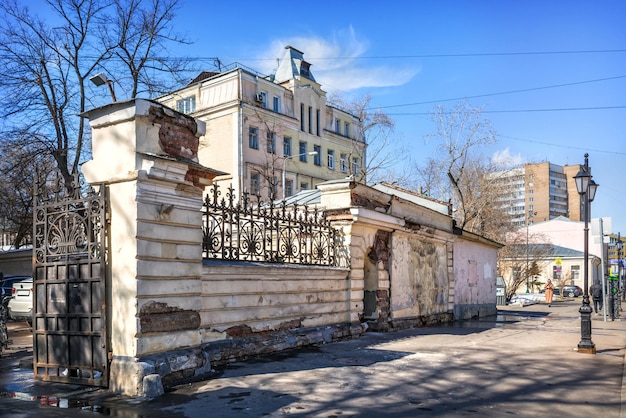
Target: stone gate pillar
x=147 y=155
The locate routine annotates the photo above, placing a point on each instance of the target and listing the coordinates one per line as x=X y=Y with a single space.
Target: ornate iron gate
x=70 y=342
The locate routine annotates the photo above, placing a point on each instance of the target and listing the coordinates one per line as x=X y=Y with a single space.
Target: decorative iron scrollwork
x=266 y=232
x=68 y=222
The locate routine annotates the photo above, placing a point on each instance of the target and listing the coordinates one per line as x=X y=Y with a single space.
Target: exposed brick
x=177 y=133
x=160 y=317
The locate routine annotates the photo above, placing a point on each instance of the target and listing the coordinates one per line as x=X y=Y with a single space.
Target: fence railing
x=247 y=230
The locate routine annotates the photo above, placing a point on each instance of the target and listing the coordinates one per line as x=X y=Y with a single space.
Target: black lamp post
x=587 y=190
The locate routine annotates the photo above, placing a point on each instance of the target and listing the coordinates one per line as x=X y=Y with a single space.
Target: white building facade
x=274 y=135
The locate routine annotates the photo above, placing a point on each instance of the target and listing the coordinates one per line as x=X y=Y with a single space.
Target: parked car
x=568 y=291
x=572 y=291
x=6 y=284
x=557 y=291
x=21 y=304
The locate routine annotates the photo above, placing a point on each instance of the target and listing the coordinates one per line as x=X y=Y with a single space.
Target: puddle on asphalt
x=55 y=402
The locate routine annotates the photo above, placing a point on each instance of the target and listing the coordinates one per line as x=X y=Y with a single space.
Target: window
x=255 y=183
x=303 y=151
x=271 y=143
x=346 y=130
x=343 y=161
x=288 y=187
x=253 y=137
x=331 y=159
x=310 y=120
x=276 y=104
x=286 y=147
x=317 y=158
x=304 y=186
x=355 y=166
x=317 y=122
x=186 y=105
x=305 y=69
x=302 y=117
x=337 y=126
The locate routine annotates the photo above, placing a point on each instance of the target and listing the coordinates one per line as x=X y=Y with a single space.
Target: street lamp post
x=285 y=163
x=587 y=189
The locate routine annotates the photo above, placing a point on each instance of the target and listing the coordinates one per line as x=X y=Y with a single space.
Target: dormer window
x=305 y=69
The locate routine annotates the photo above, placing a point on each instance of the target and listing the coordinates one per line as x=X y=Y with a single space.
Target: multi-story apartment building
x=540 y=192
x=615 y=252
x=263 y=129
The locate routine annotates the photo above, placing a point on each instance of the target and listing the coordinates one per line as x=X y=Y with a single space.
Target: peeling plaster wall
x=419 y=276
x=246 y=298
x=475 y=271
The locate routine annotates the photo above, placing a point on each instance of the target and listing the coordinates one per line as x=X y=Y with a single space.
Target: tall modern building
x=274 y=135
x=540 y=192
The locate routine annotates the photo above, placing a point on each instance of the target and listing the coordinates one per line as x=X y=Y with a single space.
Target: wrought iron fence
x=246 y=230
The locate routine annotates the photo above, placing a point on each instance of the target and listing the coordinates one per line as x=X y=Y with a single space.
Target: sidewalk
x=522 y=362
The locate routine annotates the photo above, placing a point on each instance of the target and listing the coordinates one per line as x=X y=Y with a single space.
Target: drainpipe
x=240 y=168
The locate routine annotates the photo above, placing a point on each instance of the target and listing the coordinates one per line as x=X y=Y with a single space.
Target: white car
x=21 y=303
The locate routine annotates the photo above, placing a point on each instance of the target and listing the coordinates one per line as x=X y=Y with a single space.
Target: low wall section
x=250 y=308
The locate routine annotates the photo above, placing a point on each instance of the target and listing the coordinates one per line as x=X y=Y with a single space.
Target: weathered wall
x=420 y=282
x=240 y=298
x=475 y=272
x=253 y=308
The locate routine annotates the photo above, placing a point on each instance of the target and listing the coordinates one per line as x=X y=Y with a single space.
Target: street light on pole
x=285 y=163
x=587 y=189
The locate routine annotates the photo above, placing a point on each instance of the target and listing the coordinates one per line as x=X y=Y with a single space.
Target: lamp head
x=99 y=79
x=582 y=179
x=593 y=187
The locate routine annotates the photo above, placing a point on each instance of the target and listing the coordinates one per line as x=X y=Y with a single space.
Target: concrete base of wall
x=147 y=376
x=413 y=322
x=474 y=311
x=228 y=351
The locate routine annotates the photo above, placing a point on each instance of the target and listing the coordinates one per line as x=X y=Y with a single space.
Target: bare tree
x=522 y=258
x=382 y=155
x=460 y=174
x=46 y=70
x=269 y=168
x=139 y=40
x=17 y=168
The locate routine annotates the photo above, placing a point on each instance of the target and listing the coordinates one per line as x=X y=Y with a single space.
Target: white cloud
x=338 y=63
x=503 y=158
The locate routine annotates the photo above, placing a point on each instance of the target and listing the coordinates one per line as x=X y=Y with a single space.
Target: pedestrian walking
x=596 y=294
x=549 y=287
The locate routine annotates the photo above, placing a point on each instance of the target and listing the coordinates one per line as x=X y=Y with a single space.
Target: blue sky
x=518 y=60
x=411 y=55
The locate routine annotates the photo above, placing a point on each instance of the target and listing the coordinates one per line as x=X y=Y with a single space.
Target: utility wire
x=505 y=92
x=517 y=111
x=457 y=55
x=613 y=151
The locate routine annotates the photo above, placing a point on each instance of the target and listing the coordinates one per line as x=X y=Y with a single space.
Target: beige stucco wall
x=420 y=282
x=475 y=272
x=266 y=297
